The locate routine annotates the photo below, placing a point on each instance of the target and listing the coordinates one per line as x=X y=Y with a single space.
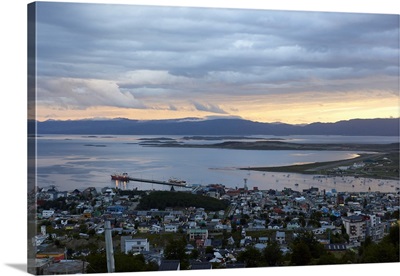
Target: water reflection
x=69 y=164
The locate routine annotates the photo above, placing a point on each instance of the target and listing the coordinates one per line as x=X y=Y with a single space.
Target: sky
x=162 y=62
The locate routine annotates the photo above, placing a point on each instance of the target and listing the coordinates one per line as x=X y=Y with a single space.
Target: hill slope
x=368 y=127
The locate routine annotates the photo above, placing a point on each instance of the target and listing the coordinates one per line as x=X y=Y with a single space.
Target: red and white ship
x=119 y=176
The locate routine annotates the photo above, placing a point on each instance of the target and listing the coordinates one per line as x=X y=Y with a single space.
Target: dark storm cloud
x=176 y=50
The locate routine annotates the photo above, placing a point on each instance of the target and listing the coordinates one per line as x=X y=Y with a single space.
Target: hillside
x=356 y=127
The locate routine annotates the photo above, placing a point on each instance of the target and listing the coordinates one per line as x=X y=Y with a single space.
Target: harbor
x=69 y=164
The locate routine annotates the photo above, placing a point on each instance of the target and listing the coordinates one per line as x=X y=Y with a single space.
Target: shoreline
x=283 y=145
x=368 y=165
x=377 y=161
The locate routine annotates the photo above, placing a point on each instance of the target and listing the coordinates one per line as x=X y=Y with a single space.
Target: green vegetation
x=306 y=250
x=269 y=256
x=123 y=263
x=175 y=250
x=279 y=145
x=305 y=247
x=387 y=250
x=130 y=193
x=164 y=199
x=377 y=165
x=161 y=239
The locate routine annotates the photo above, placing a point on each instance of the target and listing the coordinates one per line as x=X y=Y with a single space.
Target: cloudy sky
x=138 y=62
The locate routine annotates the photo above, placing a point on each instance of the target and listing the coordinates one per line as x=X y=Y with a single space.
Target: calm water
x=74 y=161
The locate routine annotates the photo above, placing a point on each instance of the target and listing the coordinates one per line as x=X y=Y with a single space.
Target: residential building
x=355 y=227
x=144 y=227
x=171 y=228
x=47 y=213
x=131 y=245
x=195 y=234
x=280 y=237
x=115 y=209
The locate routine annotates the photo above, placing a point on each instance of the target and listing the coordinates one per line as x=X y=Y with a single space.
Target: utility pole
x=109 y=248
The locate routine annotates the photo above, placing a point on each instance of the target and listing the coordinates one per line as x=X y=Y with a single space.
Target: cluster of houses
x=259 y=216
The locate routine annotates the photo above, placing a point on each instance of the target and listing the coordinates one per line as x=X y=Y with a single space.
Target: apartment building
x=355 y=226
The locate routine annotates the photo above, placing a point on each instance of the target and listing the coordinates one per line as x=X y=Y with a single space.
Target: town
x=211 y=227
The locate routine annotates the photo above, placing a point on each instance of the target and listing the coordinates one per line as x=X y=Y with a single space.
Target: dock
x=159 y=182
x=124 y=177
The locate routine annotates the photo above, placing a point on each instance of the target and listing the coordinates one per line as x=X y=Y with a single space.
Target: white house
x=195 y=234
x=169 y=218
x=155 y=228
x=135 y=245
x=47 y=213
x=280 y=237
x=319 y=231
x=293 y=225
x=170 y=228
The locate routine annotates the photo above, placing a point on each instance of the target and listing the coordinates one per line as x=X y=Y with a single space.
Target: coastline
x=376 y=161
x=369 y=165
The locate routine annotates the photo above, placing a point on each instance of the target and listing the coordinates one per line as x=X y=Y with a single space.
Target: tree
x=132 y=263
x=327 y=258
x=301 y=254
x=97 y=263
x=123 y=263
x=336 y=238
x=302 y=221
x=380 y=253
x=273 y=254
x=209 y=250
x=387 y=250
x=250 y=256
x=234 y=226
x=194 y=254
x=393 y=236
x=315 y=247
x=349 y=257
x=176 y=250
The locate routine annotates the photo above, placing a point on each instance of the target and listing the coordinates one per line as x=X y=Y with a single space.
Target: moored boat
x=119 y=176
x=176 y=181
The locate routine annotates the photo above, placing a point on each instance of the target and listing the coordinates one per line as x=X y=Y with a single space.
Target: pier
x=159 y=182
x=172 y=183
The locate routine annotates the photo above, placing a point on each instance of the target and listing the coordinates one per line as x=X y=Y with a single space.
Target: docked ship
x=119 y=176
x=177 y=181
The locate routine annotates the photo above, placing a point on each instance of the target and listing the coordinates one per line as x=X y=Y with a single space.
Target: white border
x=13 y=128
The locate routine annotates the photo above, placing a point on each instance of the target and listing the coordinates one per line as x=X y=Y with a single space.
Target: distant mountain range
x=193 y=126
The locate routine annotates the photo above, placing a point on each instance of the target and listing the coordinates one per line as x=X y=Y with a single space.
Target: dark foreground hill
x=355 y=127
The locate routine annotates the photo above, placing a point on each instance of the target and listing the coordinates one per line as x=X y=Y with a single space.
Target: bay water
x=78 y=162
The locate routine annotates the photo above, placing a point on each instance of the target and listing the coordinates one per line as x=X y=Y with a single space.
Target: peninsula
x=380 y=161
